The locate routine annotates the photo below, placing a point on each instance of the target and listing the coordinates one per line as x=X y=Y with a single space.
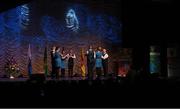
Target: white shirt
x=73 y=56
x=105 y=56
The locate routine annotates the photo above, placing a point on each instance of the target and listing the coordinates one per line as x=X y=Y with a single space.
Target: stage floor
x=13 y=80
x=49 y=79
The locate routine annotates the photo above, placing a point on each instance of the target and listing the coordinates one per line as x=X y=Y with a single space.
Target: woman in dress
x=63 y=63
x=57 y=62
x=71 y=58
x=98 y=63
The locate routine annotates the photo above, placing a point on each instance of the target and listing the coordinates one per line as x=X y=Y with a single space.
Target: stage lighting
x=11 y=77
x=154 y=60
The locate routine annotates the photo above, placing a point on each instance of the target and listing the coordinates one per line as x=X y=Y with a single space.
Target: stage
x=43 y=77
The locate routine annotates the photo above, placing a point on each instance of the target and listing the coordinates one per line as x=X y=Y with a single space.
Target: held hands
x=64 y=56
x=72 y=56
x=67 y=56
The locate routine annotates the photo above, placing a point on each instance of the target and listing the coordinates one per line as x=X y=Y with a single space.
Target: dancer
x=71 y=58
x=90 y=62
x=105 y=62
x=57 y=62
x=98 y=57
x=63 y=63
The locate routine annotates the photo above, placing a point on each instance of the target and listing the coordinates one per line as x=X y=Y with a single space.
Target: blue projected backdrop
x=72 y=21
x=65 y=24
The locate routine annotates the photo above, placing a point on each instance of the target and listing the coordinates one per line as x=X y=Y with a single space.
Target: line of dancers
x=97 y=59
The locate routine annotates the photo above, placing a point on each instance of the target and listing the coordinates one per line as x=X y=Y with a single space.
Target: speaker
x=37 y=77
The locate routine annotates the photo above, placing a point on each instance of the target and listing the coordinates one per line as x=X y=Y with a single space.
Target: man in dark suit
x=90 y=62
x=105 y=62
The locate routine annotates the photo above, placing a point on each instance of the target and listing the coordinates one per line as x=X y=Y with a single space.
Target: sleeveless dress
x=98 y=59
x=63 y=63
x=57 y=61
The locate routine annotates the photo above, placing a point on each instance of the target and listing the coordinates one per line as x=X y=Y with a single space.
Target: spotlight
x=11 y=77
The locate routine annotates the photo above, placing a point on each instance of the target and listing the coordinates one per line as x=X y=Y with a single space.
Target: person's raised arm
x=105 y=56
x=74 y=56
x=94 y=54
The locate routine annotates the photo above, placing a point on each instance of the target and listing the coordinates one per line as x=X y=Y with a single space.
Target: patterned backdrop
x=27 y=24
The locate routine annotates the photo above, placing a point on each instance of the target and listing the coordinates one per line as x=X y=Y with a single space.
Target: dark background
x=150 y=23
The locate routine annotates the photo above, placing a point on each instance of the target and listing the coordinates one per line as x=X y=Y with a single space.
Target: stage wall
x=66 y=24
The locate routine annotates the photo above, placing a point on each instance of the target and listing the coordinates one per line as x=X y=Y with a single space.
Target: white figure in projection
x=72 y=21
